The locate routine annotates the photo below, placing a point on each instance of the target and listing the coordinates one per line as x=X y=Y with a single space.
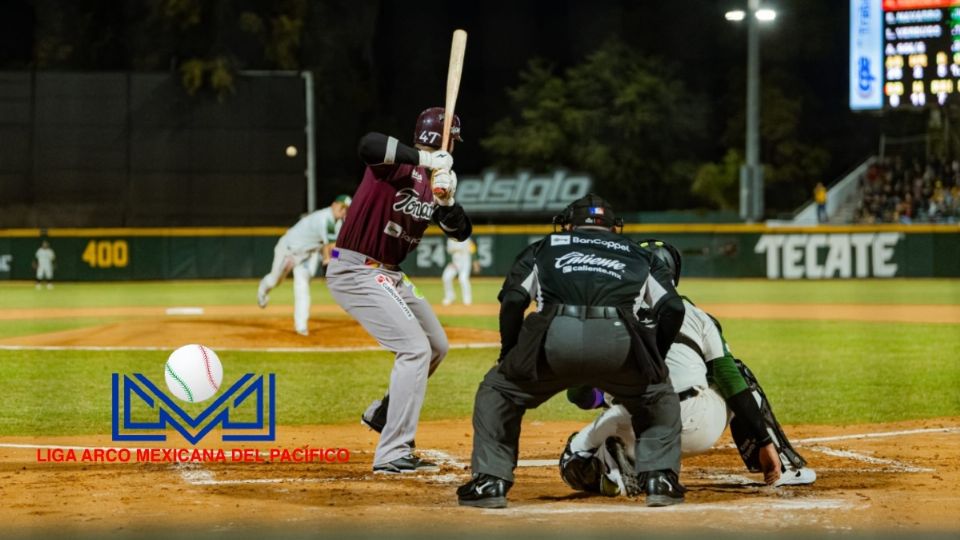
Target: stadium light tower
x=751 y=173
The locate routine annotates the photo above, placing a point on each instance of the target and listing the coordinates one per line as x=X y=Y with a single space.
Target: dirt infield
x=238 y=327
x=901 y=477
x=871 y=481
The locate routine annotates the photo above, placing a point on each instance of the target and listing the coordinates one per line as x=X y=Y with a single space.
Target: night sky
x=379 y=63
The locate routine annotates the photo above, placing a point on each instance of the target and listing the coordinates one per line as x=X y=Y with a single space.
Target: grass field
x=816 y=372
x=239 y=292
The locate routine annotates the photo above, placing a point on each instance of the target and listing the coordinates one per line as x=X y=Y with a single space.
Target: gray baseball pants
x=385 y=304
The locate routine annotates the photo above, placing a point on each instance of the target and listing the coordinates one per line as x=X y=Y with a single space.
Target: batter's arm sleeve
x=454 y=221
x=377 y=148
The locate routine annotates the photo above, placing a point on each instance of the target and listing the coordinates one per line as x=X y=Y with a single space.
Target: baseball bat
x=457 y=49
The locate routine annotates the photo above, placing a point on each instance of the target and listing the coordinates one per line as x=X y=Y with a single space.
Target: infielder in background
x=588 y=281
x=711 y=384
x=297 y=250
x=392 y=208
x=44 y=264
x=460 y=265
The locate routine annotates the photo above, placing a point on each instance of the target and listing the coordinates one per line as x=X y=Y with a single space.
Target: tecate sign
x=525 y=192
x=825 y=256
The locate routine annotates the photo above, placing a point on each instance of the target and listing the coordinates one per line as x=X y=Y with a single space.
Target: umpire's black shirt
x=592 y=267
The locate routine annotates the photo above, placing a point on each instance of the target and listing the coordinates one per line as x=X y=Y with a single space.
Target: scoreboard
x=904 y=53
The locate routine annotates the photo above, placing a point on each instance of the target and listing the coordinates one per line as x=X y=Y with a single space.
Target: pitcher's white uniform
x=461 y=263
x=703 y=411
x=293 y=252
x=45 y=257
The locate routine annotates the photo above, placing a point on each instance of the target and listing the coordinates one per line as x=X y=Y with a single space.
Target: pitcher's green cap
x=345 y=199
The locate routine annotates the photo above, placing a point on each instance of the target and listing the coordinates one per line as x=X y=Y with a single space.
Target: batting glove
x=445 y=182
x=436 y=160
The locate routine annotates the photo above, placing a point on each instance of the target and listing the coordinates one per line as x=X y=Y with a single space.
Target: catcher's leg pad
x=747 y=445
x=580 y=470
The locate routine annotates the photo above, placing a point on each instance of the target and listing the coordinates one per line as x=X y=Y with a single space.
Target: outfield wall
x=709 y=250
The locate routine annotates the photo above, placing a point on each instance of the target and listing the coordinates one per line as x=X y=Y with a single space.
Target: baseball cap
x=345 y=199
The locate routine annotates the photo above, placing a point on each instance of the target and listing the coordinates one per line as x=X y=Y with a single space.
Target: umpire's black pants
x=577 y=353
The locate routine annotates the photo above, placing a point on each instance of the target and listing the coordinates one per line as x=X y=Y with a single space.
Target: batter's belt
x=354 y=257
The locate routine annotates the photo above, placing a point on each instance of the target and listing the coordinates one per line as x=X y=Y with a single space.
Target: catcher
x=711 y=384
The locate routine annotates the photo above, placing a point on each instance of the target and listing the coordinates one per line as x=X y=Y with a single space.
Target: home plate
x=538 y=462
x=185 y=311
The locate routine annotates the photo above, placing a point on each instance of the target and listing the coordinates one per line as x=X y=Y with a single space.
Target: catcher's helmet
x=429 y=130
x=666 y=253
x=589 y=210
x=579 y=471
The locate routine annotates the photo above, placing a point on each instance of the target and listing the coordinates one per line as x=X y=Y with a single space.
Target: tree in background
x=207 y=41
x=791 y=167
x=619 y=116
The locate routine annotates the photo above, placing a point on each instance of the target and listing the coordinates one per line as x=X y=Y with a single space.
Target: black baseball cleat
x=406 y=465
x=484 y=491
x=376 y=418
x=663 y=488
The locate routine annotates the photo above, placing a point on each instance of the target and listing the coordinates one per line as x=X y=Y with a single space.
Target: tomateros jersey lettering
x=390 y=211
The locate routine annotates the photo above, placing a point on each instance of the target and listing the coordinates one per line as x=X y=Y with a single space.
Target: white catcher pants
x=703 y=417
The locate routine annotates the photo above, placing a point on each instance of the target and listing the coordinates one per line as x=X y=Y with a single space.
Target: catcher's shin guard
x=747 y=444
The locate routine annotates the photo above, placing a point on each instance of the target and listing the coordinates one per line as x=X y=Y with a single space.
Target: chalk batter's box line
x=527 y=463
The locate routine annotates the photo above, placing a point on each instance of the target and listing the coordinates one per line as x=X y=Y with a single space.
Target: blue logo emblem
x=248 y=390
x=865 y=78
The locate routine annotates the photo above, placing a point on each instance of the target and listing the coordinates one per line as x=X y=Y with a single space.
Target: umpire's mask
x=589 y=211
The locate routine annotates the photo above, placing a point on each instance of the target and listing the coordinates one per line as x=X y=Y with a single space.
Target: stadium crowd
x=895 y=190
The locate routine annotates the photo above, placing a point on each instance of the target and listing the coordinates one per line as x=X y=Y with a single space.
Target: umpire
x=588 y=281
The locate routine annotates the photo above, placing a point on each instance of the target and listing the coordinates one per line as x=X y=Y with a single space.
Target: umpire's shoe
x=484 y=491
x=663 y=488
x=406 y=465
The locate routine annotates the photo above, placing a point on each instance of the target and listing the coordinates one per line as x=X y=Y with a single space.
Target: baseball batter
x=45 y=257
x=392 y=208
x=299 y=249
x=711 y=384
x=460 y=265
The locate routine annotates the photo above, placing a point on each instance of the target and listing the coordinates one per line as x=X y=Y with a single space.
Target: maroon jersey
x=389 y=213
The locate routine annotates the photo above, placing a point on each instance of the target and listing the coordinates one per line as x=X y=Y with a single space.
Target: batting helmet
x=666 y=253
x=589 y=210
x=429 y=130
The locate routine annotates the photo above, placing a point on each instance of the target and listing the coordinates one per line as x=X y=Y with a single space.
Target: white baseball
x=193 y=373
